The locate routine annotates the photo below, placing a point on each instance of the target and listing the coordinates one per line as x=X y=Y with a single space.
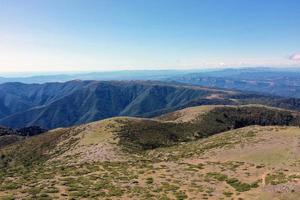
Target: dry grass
x=249 y=163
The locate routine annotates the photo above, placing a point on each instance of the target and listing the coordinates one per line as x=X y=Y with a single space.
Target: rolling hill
x=212 y=152
x=53 y=105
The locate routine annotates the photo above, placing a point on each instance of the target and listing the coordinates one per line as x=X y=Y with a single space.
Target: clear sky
x=82 y=35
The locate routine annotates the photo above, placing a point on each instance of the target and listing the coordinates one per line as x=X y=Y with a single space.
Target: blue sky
x=83 y=35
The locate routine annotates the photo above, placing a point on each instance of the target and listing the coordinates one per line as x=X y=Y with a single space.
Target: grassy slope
x=89 y=161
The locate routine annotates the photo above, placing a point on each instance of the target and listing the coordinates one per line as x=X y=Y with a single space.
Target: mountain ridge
x=112 y=98
x=54 y=105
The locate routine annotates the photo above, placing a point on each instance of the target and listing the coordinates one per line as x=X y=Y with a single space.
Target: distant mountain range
x=103 y=76
x=53 y=105
x=280 y=82
x=275 y=81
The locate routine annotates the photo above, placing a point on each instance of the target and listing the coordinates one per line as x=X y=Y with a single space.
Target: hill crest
x=114 y=158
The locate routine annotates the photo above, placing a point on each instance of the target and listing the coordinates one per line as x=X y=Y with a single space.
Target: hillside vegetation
x=9 y=136
x=212 y=152
x=200 y=122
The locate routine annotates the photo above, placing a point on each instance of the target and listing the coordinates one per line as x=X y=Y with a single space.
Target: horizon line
x=27 y=74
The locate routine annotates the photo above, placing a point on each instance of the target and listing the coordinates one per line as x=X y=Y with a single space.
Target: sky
x=104 y=35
